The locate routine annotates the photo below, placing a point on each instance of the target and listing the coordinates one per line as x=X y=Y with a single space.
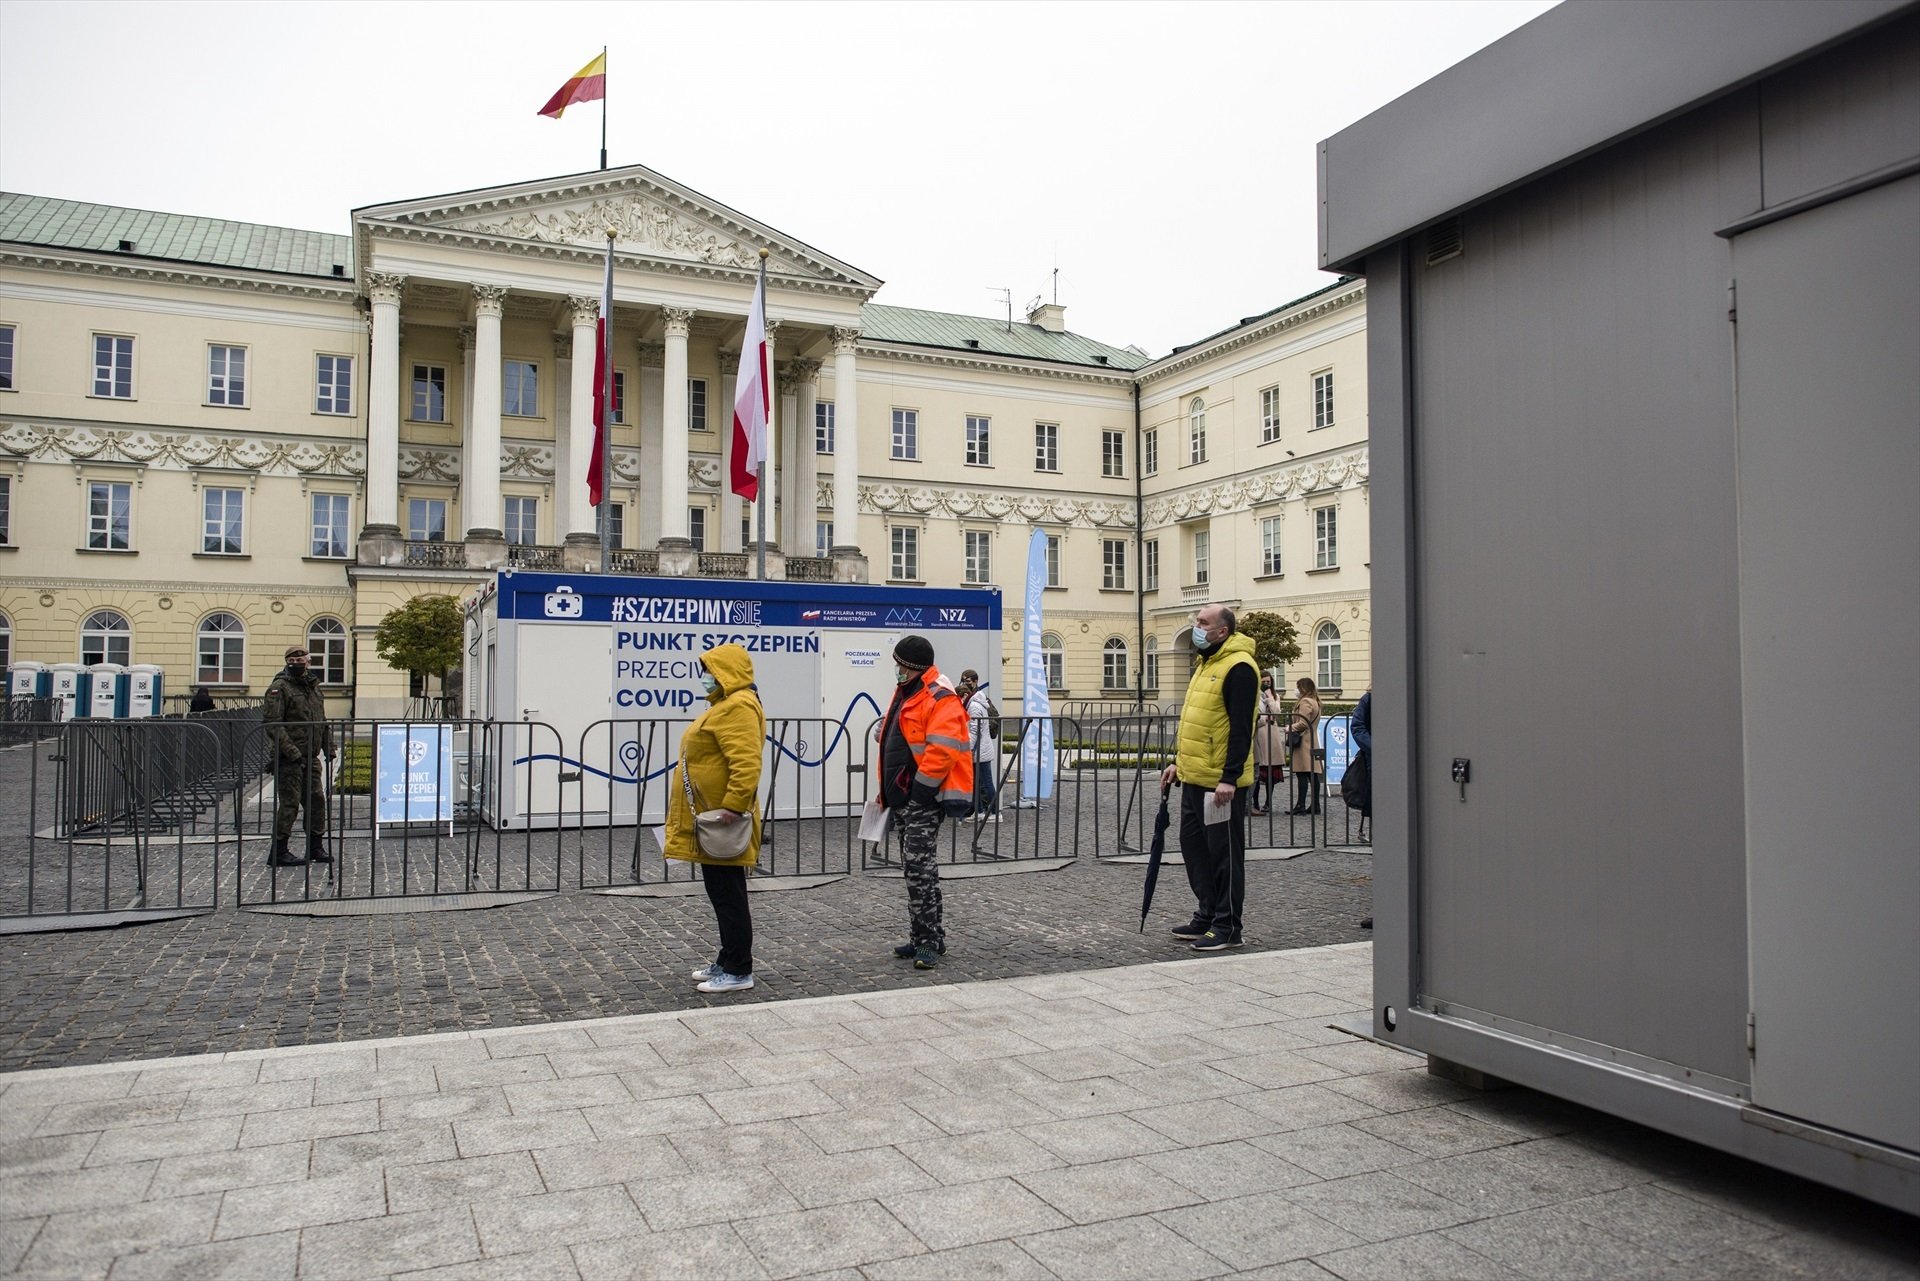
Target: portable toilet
x=68 y=683
x=106 y=691
x=27 y=679
x=144 y=683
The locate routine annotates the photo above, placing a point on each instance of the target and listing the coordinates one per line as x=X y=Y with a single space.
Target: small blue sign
x=1336 y=740
x=413 y=774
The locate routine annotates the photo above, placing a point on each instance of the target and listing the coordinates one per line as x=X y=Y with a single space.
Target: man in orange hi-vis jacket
x=926 y=773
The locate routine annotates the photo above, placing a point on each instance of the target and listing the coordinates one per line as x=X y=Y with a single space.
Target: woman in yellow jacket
x=720 y=756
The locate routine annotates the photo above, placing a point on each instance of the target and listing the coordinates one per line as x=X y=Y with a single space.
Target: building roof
x=988 y=336
x=218 y=242
x=1341 y=283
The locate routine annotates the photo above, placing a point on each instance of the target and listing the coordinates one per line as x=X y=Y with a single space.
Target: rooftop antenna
x=1056 y=284
x=1006 y=296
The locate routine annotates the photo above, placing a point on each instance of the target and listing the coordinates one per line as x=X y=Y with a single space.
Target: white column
x=383 y=402
x=481 y=490
x=457 y=520
x=846 y=440
x=769 y=500
x=673 y=429
x=803 y=495
x=730 y=502
x=572 y=513
x=643 y=523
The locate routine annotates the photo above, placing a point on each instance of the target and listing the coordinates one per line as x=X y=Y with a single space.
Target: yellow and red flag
x=585 y=85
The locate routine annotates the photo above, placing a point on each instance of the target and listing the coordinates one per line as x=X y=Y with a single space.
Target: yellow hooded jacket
x=721 y=753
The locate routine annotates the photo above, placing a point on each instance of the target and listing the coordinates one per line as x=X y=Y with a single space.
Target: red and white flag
x=602 y=390
x=750 y=401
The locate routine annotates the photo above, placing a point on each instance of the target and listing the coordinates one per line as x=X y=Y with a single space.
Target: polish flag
x=602 y=389
x=750 y=401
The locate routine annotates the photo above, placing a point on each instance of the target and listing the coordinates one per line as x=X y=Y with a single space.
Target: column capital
x=773 y=332
x=845 y=339
x=468 y=336
x=563 y=344
x=489 y=300
x=385 y=286
x=653 y=355
x=679 y=320
x=804 y=370
x=585 y=310
x=729 y=361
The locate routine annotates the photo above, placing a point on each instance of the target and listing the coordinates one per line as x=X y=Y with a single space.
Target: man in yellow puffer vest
x=1213 y=763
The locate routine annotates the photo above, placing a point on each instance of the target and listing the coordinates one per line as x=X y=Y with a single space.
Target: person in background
x=1362 y=731
x=720 y=757
x=1269 y=745
x=1305 y=761
x=295 y=717
x=981 y=713
x=202 y=700
x=926 y=773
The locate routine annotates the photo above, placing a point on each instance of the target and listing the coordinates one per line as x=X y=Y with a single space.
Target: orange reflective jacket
x=925 y=742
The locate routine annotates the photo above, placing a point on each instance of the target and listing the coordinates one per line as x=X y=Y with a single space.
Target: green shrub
x=356 y=770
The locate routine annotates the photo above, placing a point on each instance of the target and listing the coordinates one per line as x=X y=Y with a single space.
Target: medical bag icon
x=564 y=602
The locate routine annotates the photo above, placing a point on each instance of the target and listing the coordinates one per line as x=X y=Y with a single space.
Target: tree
x=422 y=637
x=1275 y=643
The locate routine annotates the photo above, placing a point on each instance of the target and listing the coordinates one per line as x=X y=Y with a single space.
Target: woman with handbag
x=1269 y=746
x=1303 y=760
x=713 y=810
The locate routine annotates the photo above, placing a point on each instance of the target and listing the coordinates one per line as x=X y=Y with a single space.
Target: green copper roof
x=986 y=335
x=212 y=242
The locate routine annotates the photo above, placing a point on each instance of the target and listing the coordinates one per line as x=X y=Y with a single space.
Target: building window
x=227 y=376
x=1269 y=415
x=1197 y=431
x=1323 y=399
x=1113 y=454
x=106 y=637
x=1269 y=544
x=746 y=525
x=822 y=537
x=113 y=366
x=979 y=567
x=979 y=442
x=429 y=394
x=329 y=527
x=1046 y=446
x=6 y=510
x=522 y=520
x=1326 y=538
x=1202 y=556
x=1053 y=560
x=697 y=528
x=696 y=404
x=823 y=427
x=6 y=642
x=221 y=521
x=222 y=651
x=619 y=414
x=1150 y=663
x=904 y=542
x=1326 y=656
x=1150 y=452
x=6 y=357
x=906 y=433
x=333 y=385
x=109 y=516
x=616 y=525
x=1053 y=656
x=1150 y=565
x=1113 y=664
x=1113 y=563
x=427 y=520
x=520 y=389
x=327 y=650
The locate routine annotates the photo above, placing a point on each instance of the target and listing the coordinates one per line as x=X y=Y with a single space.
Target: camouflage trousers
x=302 y=778
x=919 y=833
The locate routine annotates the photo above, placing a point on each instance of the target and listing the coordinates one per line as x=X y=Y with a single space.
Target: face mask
x=708 y=684
x=901 y=675
x=1200 y=640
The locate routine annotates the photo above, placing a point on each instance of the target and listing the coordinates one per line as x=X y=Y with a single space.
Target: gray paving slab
x=1108 y=1190
x=596 y=1163
x=860 y=1175
x=279 y=1207
x=87 y=1241
x=684 y=1254
x=462 y=1181
x=200 y=1172
x=1258 y=1231
x=553 y=1220
x=553 y=1264
x=381 y=1247
x=972 y=1213
x=1135 y=1249
x=844 y=1236
x=244 y=1259
x=992 y=1261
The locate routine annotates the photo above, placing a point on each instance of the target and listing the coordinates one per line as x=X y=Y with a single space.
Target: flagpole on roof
x=604 y=427
x=603 y=110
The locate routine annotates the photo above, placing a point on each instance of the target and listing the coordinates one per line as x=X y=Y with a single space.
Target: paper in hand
x=873 y=821
x=1212 y=811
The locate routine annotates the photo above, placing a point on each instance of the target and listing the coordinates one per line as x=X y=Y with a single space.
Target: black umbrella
x=1154 y=854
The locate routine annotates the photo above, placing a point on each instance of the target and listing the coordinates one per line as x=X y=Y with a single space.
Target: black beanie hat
x=914 y=651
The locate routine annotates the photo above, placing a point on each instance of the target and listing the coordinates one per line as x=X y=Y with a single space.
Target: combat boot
x=317 y=848
x=281 y=856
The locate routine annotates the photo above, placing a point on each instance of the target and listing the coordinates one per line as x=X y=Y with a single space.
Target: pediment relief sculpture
x=640 y=225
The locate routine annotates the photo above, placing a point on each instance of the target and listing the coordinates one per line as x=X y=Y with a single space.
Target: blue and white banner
x=413 y=774
x=1336 y=740
x=1036 y=743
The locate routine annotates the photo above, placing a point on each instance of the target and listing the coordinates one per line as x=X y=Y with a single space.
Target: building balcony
x=437 y=556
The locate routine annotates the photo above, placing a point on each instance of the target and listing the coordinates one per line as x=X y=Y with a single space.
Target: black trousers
x=727 y=891
x=1216 y=859
x=1306 y=790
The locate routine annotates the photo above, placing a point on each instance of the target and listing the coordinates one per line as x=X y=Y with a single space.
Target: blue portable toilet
x=27 y=679
x=68 y=683
x=106 y=691
x=144 y=683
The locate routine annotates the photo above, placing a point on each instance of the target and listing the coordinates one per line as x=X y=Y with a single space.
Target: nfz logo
x=904 y=616
x=954 y=616
x=744 y=613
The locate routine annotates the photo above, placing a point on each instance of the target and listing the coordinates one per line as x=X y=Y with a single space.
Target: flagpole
x=606 y=425
x=760 y=471
x=603 y=109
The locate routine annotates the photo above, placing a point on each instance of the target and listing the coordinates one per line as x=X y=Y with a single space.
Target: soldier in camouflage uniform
x=296 y=721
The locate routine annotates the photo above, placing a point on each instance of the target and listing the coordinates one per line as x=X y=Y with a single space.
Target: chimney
x=1050 y=316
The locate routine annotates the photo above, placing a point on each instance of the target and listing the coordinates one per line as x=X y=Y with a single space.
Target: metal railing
x=723 y=564
x=809 y=569
x=435 y=554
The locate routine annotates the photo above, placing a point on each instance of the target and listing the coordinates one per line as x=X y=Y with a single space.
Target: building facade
x=219 y=439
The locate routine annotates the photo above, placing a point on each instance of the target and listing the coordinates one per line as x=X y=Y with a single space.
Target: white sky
x=1162 y=155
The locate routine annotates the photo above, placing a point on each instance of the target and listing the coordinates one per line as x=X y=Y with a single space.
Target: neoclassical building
x=218 y=439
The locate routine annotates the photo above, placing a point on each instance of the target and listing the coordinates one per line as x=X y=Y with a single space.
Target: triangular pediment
x=650 y=215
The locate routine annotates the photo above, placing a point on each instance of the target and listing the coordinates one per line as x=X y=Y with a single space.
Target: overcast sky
x=1161 y=155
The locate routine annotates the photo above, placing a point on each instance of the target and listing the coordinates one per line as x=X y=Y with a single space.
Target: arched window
x=1150 y=663
x=6 y=642
x=1113 y=664
x=106 y=637
x=1054 y=655
x=327 y=650
x=222 y=651
x=1197 y=431
x=1326 y=656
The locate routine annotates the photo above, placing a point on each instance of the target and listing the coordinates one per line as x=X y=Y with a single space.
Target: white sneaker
x=725 y=982
x=705 y=972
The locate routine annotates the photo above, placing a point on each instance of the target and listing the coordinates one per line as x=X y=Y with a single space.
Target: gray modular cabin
x=1644 y=359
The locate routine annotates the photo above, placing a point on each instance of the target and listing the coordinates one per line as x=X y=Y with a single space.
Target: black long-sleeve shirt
x=1240 y=692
